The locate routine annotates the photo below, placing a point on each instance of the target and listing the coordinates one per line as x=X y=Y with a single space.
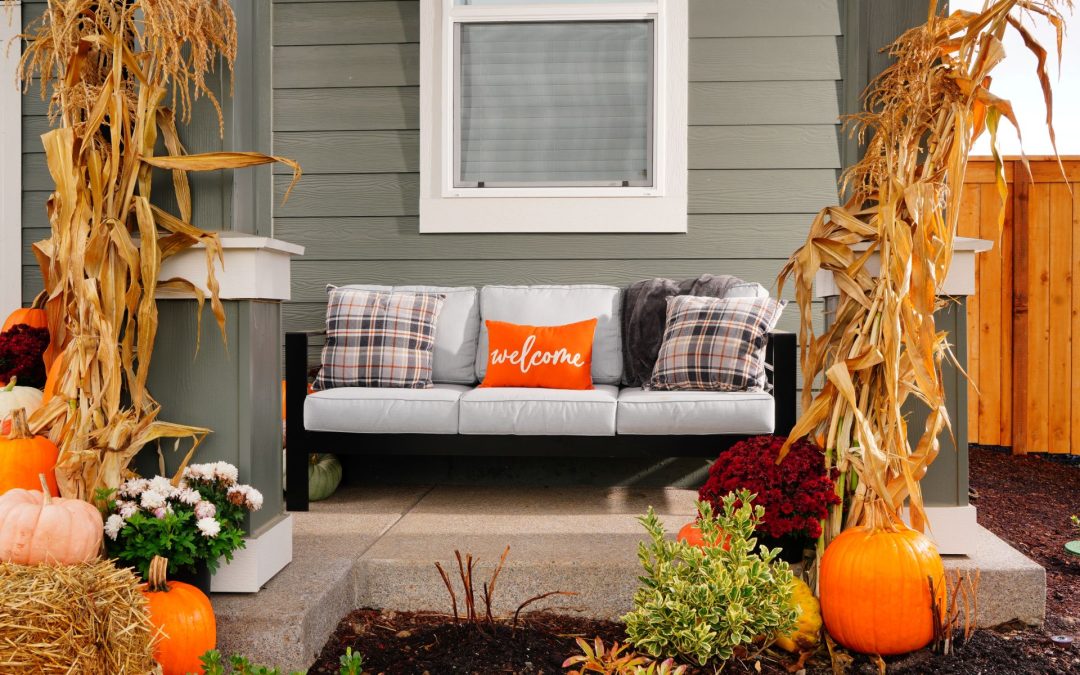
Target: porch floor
x=376 y=547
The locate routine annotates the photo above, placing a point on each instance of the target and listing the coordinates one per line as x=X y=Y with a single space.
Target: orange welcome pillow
x=552 y=357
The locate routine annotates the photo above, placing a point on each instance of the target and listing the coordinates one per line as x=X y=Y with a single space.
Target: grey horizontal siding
x=764 y=98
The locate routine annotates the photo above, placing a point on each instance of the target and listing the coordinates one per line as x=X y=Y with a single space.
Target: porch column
x=232 y=387
x=945 y=487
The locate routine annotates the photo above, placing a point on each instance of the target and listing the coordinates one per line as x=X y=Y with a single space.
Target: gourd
x=185 y=617
x=23 y=457
x=807 y=632
x=33 y=316
x=324 y=476
x=13 y=397
x=691 y=534
x=36 y=527
x=875 y=588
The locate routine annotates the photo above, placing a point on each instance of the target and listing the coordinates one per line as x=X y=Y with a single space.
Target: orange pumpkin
x=33 y=316
x=310 y=390
x=691 y=534
x=36 y=527
x=875 y=590
x=24 y=456
x=185 y=618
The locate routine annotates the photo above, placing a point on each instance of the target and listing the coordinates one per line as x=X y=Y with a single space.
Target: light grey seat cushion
x=540 y=412
x=694 y=412
x=557 y=306
x=376 y=410
x=456 y=331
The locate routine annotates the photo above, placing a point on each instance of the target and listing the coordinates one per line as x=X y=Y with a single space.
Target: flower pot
x=792 y=548
x=199 y=577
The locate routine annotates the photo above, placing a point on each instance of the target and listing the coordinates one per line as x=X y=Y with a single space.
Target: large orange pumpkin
x=36 y=527
x=875 y=590
x=33 y=316
x=184 y=616
x=24 y=456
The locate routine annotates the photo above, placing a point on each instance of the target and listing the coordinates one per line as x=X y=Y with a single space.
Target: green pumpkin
x=324 y=475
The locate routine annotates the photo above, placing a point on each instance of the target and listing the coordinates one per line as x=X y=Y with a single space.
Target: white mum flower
x=152 y=500
x=226 y=471
x=205 y=510
x=163 y=485
x=254 y=499
x=189 y=496
x=133 y=487
x=209 y=527
x=113 y=525
x=198 y=471
x=127 y=509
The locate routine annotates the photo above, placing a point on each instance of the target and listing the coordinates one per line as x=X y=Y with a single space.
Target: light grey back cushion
x=747 y=289
x=557 y=306
x=456 y=331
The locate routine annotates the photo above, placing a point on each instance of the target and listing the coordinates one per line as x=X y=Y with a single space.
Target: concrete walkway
x=376 y=547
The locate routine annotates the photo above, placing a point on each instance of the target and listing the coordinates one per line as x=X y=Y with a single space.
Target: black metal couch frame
x=780 y=356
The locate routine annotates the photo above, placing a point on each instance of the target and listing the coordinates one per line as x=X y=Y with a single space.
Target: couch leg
x=296 y=476
x=296 y=438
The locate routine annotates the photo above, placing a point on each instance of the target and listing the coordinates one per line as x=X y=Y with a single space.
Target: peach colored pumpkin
x=36 y=527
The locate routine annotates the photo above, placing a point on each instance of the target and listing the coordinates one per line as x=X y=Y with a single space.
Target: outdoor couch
x=455 y=417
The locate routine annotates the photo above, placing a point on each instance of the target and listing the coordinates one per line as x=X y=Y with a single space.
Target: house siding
x=764 y=152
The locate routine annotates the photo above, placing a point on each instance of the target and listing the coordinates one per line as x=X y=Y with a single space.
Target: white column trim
x=10 y=160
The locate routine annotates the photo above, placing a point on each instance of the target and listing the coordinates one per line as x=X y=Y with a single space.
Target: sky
x=1015 y=80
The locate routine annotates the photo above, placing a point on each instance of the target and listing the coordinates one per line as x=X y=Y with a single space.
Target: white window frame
x=661 y=207
x=10 y=159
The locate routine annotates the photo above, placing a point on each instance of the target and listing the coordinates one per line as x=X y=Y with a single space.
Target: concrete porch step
x=376 y=547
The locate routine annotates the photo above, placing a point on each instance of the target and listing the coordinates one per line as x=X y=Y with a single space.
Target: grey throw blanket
x=644 y=312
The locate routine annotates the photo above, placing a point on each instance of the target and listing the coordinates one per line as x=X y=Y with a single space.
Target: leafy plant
x=351 y=663
x=796 y=493
x=214 y=664
x=107 y=69
x=921 y=117
x=199 y=519
x=703 y=603
x=617 y=660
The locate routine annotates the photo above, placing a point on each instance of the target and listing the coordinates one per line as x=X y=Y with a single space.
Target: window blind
x=561 y=103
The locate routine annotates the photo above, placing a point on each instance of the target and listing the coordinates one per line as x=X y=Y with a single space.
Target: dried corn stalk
x=110 y=70
x=921 y=117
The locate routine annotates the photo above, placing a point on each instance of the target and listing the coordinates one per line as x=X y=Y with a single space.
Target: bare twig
x=449 y=589
x=536 y=598
x=489 y=588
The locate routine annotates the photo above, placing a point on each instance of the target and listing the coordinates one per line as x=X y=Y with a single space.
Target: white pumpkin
x=13 y=397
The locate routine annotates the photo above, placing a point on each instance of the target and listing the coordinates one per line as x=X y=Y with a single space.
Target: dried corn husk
x=921 y=117
x=110 y=70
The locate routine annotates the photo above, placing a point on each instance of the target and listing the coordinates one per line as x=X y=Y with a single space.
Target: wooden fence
x=1022 y=354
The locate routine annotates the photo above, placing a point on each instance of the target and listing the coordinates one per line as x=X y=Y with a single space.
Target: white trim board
x=262 y=557
x=661 y=208
x=10 y=161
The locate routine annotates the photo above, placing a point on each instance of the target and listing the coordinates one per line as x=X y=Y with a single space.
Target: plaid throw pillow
x=714 y=344
x=378 y=339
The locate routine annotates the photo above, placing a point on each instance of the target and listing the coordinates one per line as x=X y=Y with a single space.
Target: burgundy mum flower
x=21 y=349
x=796 y=494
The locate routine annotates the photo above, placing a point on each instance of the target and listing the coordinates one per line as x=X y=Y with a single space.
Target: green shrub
x=701 y=603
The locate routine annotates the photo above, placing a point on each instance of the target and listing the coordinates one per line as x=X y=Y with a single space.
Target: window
x=560 y=116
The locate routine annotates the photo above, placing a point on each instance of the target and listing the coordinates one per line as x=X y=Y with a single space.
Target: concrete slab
x=288 y=621
x=376 y=547
x=1012 y=587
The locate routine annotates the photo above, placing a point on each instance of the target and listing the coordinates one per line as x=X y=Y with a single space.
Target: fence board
x=1024 y=321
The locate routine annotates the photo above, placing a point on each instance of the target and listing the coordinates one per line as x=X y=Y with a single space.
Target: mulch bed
x=1025 y=500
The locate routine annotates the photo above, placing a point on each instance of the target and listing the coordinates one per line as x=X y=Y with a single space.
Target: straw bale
x=89 y=618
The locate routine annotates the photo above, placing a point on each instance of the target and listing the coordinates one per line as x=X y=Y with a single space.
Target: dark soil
x=1025 y=500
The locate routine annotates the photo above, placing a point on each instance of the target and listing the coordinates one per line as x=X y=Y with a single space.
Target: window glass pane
x=536 y=2
x=554 y=103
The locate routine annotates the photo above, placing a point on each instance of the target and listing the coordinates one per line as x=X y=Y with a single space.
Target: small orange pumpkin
x=36 y=527
x=875 y=589
x=24 y=456
x=310 y=390
x=33 y=316
x=185 y=618
x=691 y=534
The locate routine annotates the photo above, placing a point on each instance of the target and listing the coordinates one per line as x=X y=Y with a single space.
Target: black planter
x=198 y=577
x=791 y=547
